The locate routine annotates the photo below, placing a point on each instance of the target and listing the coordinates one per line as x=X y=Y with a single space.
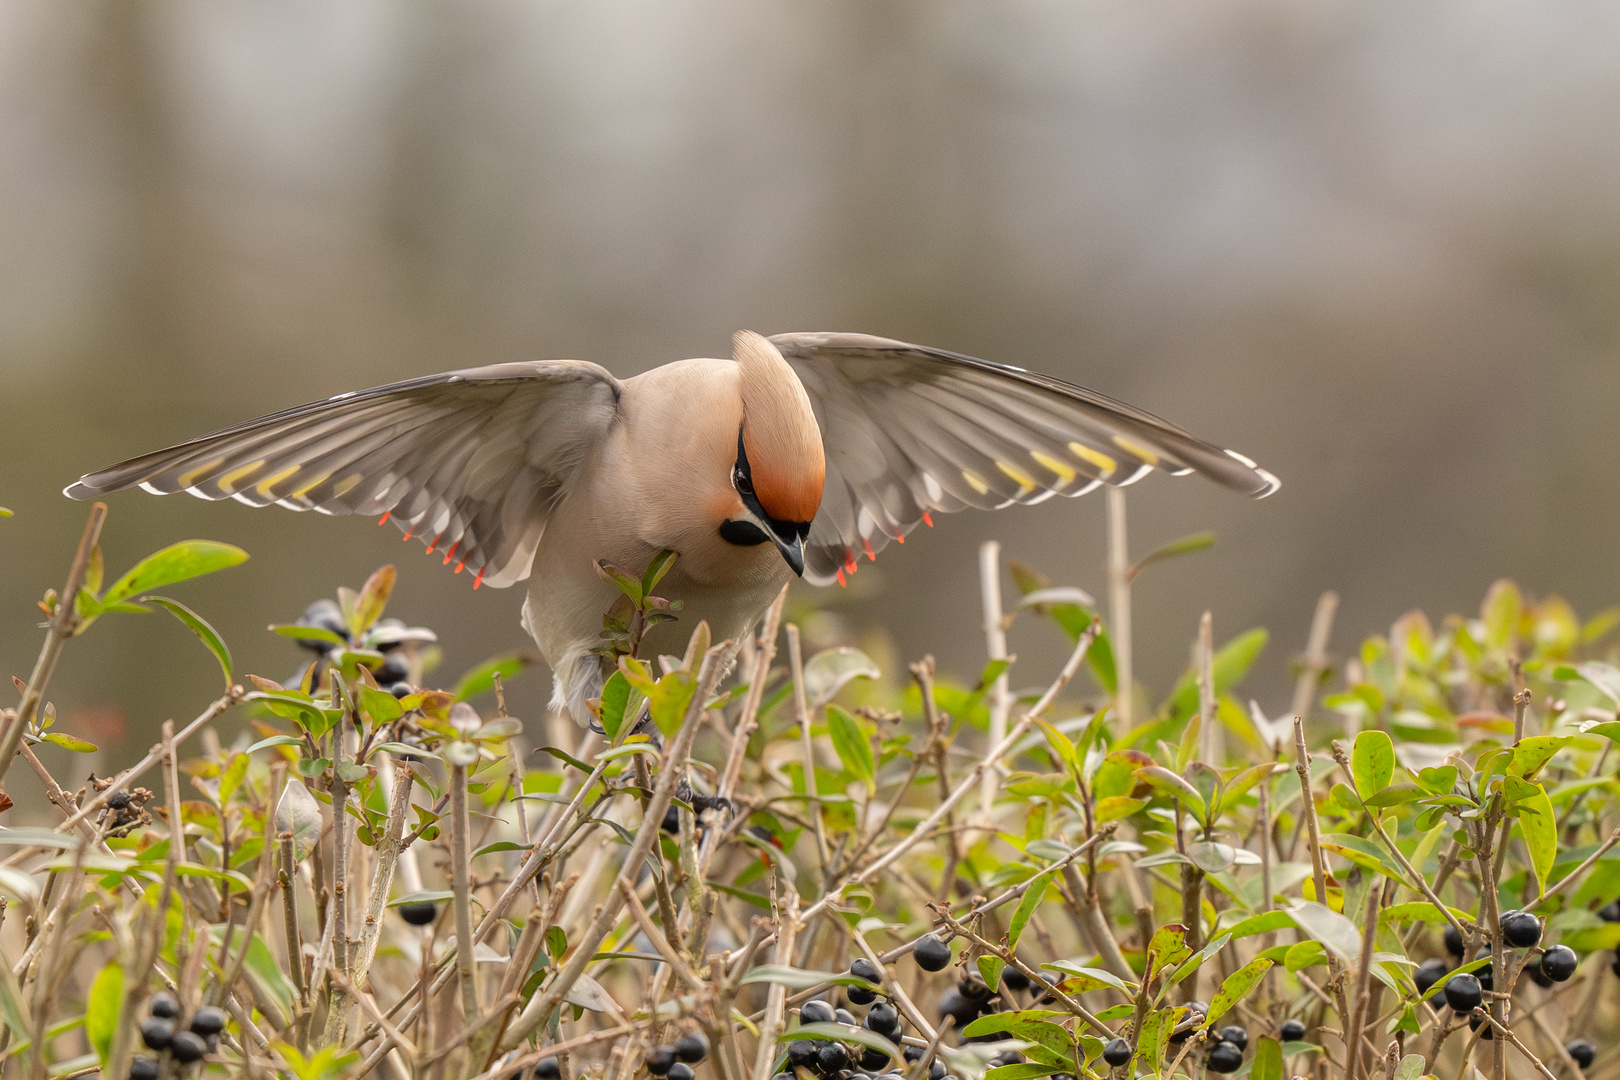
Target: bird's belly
x=726 y=585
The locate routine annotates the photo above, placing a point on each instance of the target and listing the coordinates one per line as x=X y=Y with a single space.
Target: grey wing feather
x=911 y=431
x=470 y=461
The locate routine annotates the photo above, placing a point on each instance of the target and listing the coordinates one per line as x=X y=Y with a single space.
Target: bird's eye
x=741 y=481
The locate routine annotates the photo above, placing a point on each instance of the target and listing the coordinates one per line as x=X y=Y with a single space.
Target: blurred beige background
x=1374 y=245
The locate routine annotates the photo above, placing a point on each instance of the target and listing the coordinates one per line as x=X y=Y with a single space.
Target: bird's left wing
x=470 y=461
x=911 y=431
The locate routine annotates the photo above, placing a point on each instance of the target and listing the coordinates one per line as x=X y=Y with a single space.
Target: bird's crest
x=779 y=431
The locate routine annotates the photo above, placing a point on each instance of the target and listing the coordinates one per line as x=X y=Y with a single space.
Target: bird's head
x=779 y=469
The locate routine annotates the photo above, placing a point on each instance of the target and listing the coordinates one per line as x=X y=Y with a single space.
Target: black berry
x=1463 y=993
x=672 y=820
x=1225 y=1058
x=1537 y=977
x=844 y=1016
x=1117 y=1052
x=118 y=800
x=815 y=1011
x=208 y=1021
x=931 y=953
x=156 y=1033
x=1610 y=912
x=1235 y=1035
x=659 y=1059
x=873 y=1060
x=936 y=1070
x=1013 y=979
x=1558 y=963
x=1291 y=1031
x=1521 y=929
x=420 y=913
x=973 y=989
x=1582 y=1051
x=831 y=1058
x=953 y=1004
x=801 y=1053
x=165 y=1006
x=692 y=1047
x=145 y=1068
x=401 y=689
x=784 y=1076
x=1429 y=972
x=858 y=996
x=187 y=1046
x=681 y=1071
x=548 y=1068
x=884 y=1019
x=1485 y=1031
x=1454 y=942
x=863 y=968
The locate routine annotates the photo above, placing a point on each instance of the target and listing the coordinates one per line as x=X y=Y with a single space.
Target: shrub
x=732 y=882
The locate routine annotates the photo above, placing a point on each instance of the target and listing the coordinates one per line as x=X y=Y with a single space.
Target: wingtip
x=1270 y=480
x=78 y=492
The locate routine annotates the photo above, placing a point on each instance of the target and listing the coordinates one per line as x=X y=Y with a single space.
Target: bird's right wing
x=911 y=431
x=470 y=461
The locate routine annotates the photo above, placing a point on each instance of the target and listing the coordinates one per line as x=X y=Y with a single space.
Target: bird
x=800 y=454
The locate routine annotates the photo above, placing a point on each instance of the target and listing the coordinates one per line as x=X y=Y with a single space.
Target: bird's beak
x=792 y=550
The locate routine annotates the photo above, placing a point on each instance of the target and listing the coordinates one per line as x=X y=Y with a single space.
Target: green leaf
x=854 y=748
x=300 y=814
x=1268 y=1060
x=102 y=1008
x=380 y=705
x=1333 y=930
x=990 y=968
x=1026 y=906
x=1260 y=924
x=309 y=633
x=1027 y=1070
x=69 y=742
x=659 y=565
x=275 y=740
x=844 y=1033
x=1187 y=545
x=620 y=579
x=830 y=670
x=1535 y=751
x=616 y=693
x=556 y=942
x=801 y=979
x=481 y=679
x=1540 y=834
x=429 y=896
x=199 y=626
x=1440 y=780
x=178 y=562
x=1174 y=786
x=1236 y=987
x=1167 y=946
x=1372 y=763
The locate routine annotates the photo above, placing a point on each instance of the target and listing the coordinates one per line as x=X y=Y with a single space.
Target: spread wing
x=470 y=462
x=911 y=432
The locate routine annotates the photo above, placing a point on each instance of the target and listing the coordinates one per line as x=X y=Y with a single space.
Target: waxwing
x=801 y=454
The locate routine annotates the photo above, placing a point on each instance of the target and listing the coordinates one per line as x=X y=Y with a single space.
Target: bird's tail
x=576 y=679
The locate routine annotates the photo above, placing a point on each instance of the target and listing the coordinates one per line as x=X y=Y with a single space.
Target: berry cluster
x=838 y=1061
x=162 y=1032
x=674 y=1061
x=1466 y=992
